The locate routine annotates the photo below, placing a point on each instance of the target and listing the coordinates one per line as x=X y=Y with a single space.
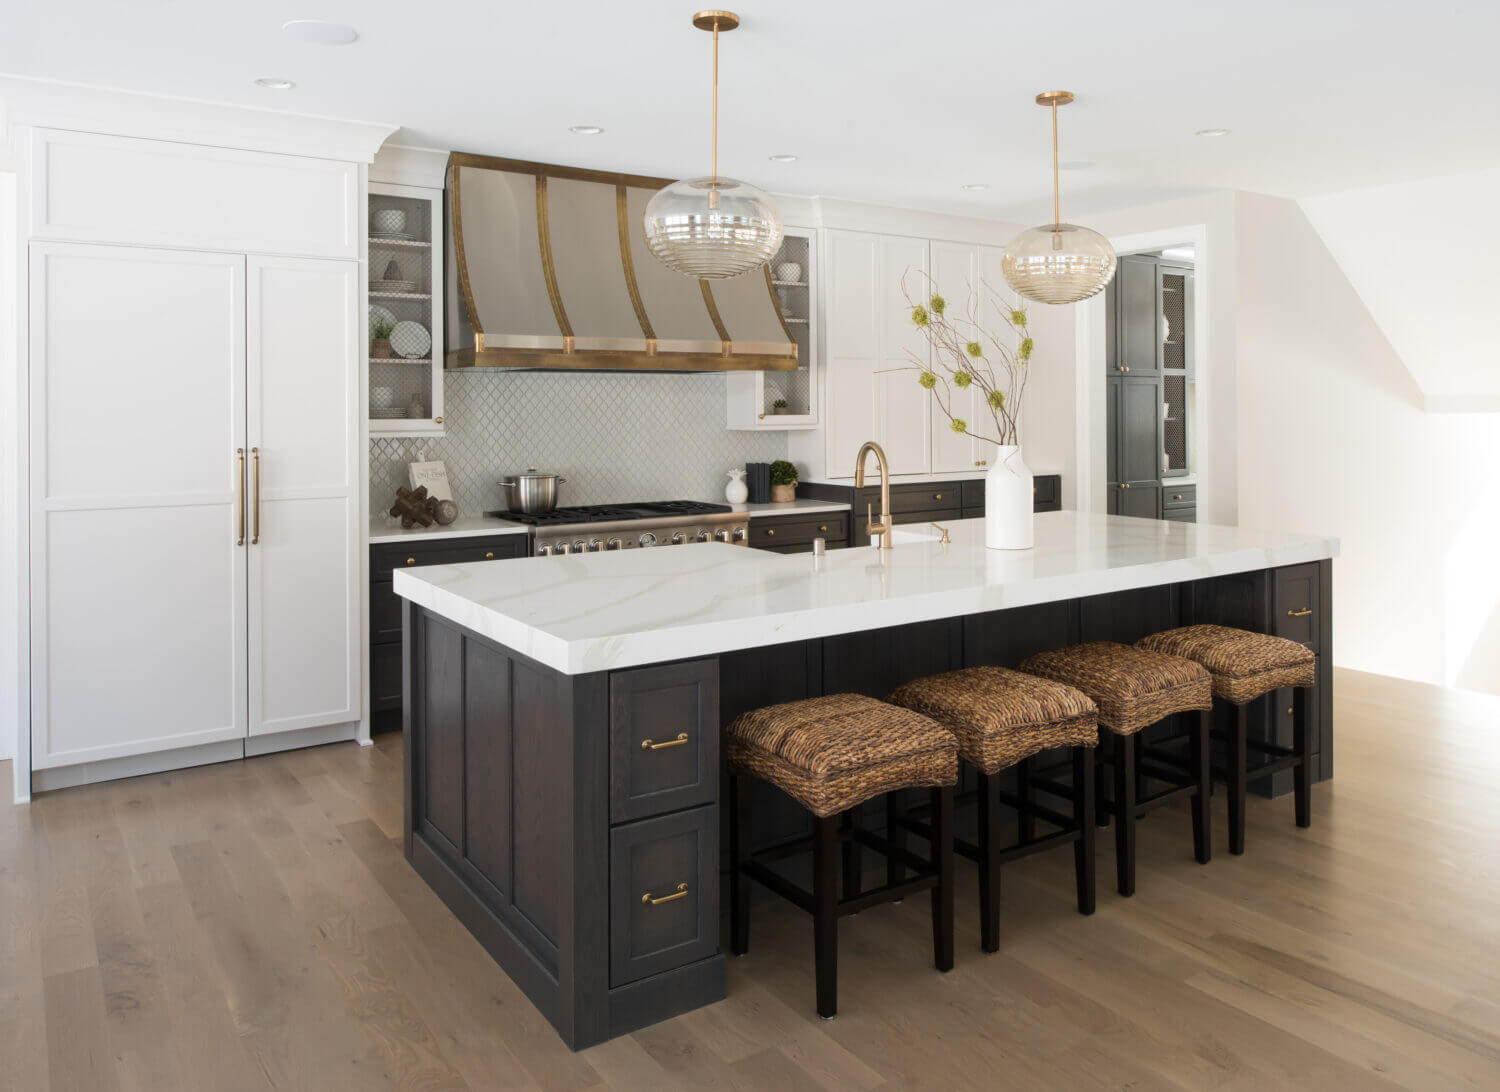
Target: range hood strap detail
x=776 y=303
x=713 y=314
x=549 y=272
x=462 y=261
x=622 y=215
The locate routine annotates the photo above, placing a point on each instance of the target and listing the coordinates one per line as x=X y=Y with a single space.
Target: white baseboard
x=305 y=737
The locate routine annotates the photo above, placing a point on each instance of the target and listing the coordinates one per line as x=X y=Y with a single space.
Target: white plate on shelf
x=378 y=313
x=394 y=236
x=393 y=286
x=410 y=339
x=394 y=414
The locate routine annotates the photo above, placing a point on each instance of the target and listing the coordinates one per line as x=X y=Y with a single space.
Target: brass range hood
x=548 y=268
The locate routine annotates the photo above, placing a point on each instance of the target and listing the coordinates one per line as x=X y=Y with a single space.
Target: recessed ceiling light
x=275 y=85
x=1075 y=164
x=586 y=130
x=974 y=186
x=320 y=33
x=783 y=158
x=1212 y=132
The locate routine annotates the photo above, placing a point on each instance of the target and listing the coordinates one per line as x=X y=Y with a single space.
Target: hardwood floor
x=253 y=925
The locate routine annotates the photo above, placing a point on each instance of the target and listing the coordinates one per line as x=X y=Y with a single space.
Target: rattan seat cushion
x=833 y=752
x=1001 y=716
x=1244 y=665
x=1133 y=687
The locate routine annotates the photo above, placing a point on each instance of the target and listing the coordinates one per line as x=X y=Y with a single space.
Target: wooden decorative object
x=411 y=506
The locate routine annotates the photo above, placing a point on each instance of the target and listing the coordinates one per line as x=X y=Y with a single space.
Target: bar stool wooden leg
x=942 y=894
x=1083 y=815
x=1234 y=778
x=1302 y=744
x=1124 y=814
x=739 y=851
x=826 y=913
x=895 y=833
x=1101 y=785
x=1199 y=748
x=1026 y=797
x=989 y=862
x=853 y=864
x=1139 y=739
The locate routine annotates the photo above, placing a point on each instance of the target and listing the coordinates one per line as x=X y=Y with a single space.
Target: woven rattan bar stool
x=1134 y=689
x=1002 y=719
x=1245 y=666
x=831 y=754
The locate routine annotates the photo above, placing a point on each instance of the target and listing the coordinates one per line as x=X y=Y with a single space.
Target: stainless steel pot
x=532 y=492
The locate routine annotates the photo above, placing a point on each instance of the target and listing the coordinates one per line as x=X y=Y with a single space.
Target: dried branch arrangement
x=973 y=357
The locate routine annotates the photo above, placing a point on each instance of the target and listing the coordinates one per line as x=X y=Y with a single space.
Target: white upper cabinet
x=903 y=411
x=109 y=189
x=850 y=294
x=955 y=275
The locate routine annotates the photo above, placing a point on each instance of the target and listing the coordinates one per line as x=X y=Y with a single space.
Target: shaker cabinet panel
x=1136 y=317
x=1138 y=425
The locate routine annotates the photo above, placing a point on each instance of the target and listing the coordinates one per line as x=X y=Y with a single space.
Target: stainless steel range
x=598 y=527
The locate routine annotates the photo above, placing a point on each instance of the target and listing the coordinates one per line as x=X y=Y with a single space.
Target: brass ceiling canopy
x=722 y=21
x=1058 y=262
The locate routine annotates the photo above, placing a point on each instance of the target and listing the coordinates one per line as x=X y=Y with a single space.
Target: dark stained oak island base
x=571 y=822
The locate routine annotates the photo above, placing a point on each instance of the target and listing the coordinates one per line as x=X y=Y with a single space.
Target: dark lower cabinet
x=794 y=533
x=385 y=606
x=664 y=893
x=921 y=502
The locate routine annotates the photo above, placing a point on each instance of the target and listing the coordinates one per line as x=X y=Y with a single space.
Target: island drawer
x=385 y=558
x=663 y=739
x=1294 y=603
x=664 y=894
x=1173 y=496
x=799 y=530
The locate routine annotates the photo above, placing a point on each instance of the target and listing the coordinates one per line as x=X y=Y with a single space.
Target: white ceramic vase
x=1008 y=498
x=736 y=492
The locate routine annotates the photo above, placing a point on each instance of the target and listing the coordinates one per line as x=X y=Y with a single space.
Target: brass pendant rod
x=715 y=174
x=1056 y=196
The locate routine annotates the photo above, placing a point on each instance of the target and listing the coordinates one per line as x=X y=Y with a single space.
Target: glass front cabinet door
x=406 y=306
x=785 y=400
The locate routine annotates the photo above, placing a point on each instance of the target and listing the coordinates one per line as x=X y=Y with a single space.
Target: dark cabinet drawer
x=1294 y=603
x=1181 y=515
x=664 y=894
x=799 y=530
x=385 y=677
x=973 y=494
x=911 y=497
x=663 y=739
x=385 y=613
x=384 y=558
x=1173 y=496
x=1046 y=493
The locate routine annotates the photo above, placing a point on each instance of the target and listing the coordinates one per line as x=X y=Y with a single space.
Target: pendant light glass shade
x=1058 y=263
x=712 y=227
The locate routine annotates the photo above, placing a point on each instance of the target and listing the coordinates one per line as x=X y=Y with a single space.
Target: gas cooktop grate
x=612 y=513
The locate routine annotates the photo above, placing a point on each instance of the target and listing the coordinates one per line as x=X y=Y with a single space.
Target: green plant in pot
x=779 y=406
x=783 y=481
x=380 y=337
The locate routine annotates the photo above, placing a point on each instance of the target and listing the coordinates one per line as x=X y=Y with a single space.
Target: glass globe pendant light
x=1058 y=262
x=712 y=227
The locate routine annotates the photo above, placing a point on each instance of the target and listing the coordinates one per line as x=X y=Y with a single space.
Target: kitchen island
x=562 y=714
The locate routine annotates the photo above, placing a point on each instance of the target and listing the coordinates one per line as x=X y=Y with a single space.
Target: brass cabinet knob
x=770 y=530
x=489 y=555
x=1176 y=496
x=823 y=527
x=762 y=416
x=411 y=561
x=1124 y=485
x=437 y=420
x=937 y=496
x=1289 y=711
x=649 y=899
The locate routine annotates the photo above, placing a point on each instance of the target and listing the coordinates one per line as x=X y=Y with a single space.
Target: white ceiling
x=918 y=98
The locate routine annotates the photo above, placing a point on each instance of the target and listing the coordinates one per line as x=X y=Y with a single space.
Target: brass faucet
x=883 y=527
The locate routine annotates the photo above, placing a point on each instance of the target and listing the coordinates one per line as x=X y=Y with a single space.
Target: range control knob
x=544 y=550
x=563 y=548
x=705 y=536
x=739 y=534
x=579 y=546
x=596 y=544
x=648 y=539
x=722 y=534
x=678 y=538
x=613 y=544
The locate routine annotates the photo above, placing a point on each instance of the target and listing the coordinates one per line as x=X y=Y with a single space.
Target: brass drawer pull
x=1303 y=613
x=647 y=745
x=656 y=900
x=239 y=454
x=255 y=512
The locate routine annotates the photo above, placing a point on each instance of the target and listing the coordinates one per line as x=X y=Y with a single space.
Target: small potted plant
x=380 y=337
x=783 y=481
x=779 y=406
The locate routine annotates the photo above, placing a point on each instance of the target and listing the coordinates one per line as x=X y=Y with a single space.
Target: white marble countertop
x=390 y=530
x=802 y=505
x=593 y=612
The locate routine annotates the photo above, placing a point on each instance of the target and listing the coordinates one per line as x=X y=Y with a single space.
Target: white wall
x=1421 y=257
x=10 y=623
x=1333 y=438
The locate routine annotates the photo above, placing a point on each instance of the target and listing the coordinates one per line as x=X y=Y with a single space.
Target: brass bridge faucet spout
x=881 y=528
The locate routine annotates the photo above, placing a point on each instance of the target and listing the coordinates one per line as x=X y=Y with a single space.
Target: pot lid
x=532 y=473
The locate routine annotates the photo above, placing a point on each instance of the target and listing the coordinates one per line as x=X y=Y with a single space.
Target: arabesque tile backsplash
x=615 y=436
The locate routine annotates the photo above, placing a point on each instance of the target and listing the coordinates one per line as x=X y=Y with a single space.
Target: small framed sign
x=434 y=476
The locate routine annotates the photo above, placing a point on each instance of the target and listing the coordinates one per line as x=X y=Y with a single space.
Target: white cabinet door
x=901 y=403
x=304 y=553
x=850 y=305
x=955 y=274
x=138 y=595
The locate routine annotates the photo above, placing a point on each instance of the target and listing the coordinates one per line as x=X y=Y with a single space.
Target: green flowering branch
x=963 y=356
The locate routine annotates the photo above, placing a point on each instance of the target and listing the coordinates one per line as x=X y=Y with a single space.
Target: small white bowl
x=382 y=397
x=388 y=221
x=789 y=271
